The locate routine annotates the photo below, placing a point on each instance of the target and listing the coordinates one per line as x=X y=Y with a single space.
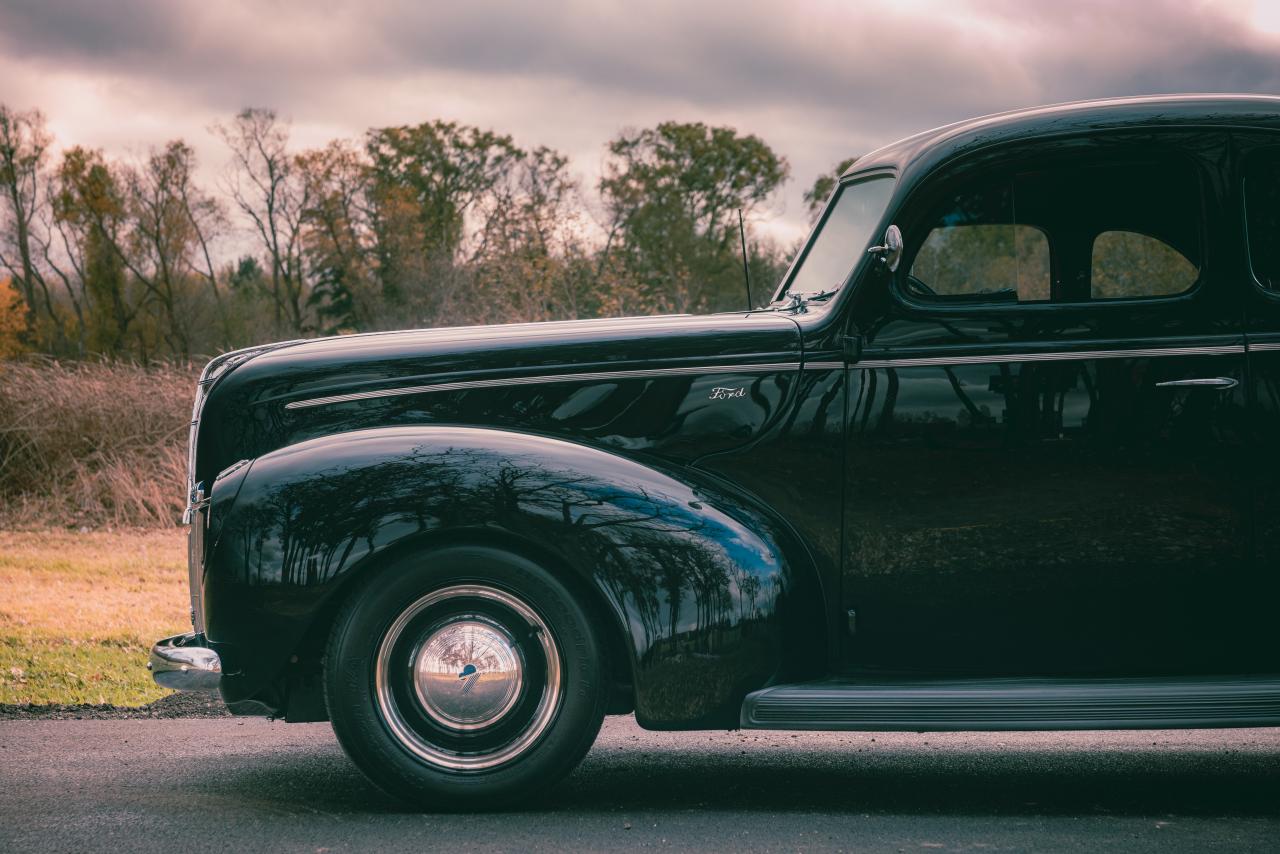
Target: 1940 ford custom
x=1003 y=452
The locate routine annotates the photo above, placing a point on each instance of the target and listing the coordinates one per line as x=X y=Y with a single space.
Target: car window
x=1009 y=261
x=1262 y=216
x=1127 y=265
x=1067 y=232
x=843 y=236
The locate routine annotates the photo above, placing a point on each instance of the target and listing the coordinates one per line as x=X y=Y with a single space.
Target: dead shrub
x=93 y=443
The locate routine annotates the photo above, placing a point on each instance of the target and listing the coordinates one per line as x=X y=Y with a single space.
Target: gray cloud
x=878 y=56
x=817 y=79
x=85 y=31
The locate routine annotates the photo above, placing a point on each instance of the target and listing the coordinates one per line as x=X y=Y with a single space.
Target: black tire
x=405 y=730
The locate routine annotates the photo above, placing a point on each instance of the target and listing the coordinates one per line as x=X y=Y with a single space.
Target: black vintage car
x=1003 y=452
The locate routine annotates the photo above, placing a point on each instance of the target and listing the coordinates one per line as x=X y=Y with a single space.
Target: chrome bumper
x=176 y=663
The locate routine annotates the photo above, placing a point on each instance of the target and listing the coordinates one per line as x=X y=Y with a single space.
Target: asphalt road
x=249 y=784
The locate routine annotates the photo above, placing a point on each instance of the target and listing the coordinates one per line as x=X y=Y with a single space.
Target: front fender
x=705 y=587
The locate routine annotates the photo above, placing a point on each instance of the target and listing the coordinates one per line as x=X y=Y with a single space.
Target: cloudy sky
x=818 y=80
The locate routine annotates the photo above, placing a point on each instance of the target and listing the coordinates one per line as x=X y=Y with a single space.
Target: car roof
x=1074 y=117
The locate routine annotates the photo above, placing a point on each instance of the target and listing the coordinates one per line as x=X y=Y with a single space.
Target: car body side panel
x=699 y=579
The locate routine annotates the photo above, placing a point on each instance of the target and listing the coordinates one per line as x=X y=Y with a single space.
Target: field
x=93 y=444
x=79 y=612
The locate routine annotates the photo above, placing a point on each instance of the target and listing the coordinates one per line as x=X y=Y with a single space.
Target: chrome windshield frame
x=845 y=182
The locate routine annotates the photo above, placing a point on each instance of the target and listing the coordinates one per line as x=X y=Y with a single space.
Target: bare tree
x=269 y=189
x=170 y=226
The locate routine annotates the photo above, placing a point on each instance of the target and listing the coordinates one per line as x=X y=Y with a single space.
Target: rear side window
x=1063 y=233
x=1262 y=216
x=1127 y=264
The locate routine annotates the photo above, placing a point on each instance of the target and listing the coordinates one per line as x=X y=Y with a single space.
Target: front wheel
x=465 y=677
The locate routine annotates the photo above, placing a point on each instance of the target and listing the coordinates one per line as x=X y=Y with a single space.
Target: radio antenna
x=746 y=270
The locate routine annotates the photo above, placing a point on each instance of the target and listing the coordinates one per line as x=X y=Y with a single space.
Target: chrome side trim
x=654 y=373
x=1000 y=358
x=1265 y=346
x=1223 y=383
x=593 y=376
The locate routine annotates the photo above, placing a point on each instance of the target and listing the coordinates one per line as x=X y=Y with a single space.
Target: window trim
x=925 y=192
x=1274 y=151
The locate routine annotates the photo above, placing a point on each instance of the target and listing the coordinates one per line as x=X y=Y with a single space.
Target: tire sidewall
x=351 y=659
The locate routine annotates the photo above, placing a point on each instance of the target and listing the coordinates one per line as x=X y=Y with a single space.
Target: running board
x=1016 y=704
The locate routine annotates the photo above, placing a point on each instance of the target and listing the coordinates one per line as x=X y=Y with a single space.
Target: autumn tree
x=673 y=193
x=444 y=170
x=24 y=231
x=13 y=320
x=336 y=237
x=426 y=182
x=425 y=224
x=89 y=215
x=532 y=260
x=167 y=246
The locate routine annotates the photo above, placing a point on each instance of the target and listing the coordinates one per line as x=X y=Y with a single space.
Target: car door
x=1256 y=195
x=1046 y=420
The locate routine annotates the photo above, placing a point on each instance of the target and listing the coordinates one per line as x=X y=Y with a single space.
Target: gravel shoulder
x=172 y=706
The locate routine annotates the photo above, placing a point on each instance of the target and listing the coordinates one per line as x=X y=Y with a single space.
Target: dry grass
x=92 y=443
x=78 y=613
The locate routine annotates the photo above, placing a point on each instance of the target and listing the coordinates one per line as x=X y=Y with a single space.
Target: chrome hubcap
x=468 y=674
x=468 y=677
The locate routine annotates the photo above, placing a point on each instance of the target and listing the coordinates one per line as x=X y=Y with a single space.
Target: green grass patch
x=79 y=612
x=42 y=671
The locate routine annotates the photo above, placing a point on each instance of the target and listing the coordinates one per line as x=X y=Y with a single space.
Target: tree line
x=433 y=224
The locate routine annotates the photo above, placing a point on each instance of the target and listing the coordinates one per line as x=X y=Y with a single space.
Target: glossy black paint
x=662 y=426
x=1262 y=324
x=245 y=414
x=1061 y=517
x=996 y=516
x=1030 y=517
x=698 y=575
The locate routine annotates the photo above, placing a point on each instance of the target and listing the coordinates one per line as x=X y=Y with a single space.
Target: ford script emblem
x=722 y=393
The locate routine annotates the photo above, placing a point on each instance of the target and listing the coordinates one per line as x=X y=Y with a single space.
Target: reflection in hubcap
x=464 y=694
x=468 y=674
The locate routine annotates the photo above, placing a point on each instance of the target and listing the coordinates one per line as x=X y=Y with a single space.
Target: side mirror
x=889 y=253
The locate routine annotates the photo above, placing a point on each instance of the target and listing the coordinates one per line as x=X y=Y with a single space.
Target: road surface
x=249 y=784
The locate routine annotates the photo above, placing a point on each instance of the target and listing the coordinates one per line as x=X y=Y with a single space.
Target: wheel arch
x=695 y=586
x=604 y=618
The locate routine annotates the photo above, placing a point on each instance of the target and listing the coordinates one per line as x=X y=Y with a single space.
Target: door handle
x=1222 y=383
